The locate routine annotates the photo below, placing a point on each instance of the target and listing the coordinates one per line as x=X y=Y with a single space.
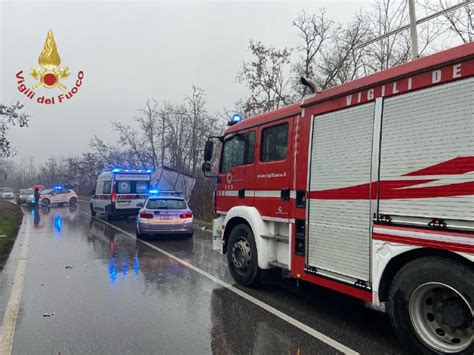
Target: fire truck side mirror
x=208 y=149
x=206 y=167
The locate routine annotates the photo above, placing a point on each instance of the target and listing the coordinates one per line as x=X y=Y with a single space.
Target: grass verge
x=10 y=221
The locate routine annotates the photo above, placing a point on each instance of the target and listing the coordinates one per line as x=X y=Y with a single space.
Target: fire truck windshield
x=238 y=150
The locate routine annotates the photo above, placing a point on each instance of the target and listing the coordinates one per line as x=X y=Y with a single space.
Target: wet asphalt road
x=113 y=294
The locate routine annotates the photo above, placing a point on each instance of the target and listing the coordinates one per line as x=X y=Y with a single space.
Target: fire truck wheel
x=431 y=303
x=242 y=256
x=93 y=213
x=45 y=202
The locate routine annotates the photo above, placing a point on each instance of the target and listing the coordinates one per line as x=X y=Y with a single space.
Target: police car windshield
x=166 y=204
x=26 y=192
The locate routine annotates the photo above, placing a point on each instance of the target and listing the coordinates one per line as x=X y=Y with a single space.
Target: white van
x=120 y=192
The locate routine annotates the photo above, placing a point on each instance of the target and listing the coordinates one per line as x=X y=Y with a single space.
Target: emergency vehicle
x=120 y=192
x=367 y=189
x=57 y=195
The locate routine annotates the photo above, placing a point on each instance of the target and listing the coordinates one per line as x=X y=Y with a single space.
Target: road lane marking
x=285 y=317
x=11 y=312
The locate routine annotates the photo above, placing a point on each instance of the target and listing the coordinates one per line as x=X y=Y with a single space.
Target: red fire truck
x=367 y=189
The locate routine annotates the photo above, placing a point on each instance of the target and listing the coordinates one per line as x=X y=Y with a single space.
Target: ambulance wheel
x=93 y=213
x=242 y=256
x=107 y=214
x=45 y=202
x=72 y=201
x=431 y=303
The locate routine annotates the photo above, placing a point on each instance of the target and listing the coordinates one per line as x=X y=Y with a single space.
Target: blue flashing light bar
x=58 y=187
x=118 y=170
x=236 y=118
x=154 y=192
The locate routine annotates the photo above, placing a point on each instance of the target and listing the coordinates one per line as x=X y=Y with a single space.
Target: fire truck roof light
x=116 y=170
x=236 y=118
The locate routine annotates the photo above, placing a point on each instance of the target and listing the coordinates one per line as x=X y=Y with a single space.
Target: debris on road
x=48 y=314
x=68 y=267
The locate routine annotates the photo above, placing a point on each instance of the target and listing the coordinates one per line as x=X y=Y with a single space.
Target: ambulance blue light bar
x=119 y=170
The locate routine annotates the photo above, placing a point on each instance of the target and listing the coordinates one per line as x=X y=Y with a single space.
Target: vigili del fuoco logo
x=50 y=76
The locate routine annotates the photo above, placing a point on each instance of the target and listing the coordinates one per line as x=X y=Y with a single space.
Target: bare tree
x=266 y=75
x=129 y=136
x=201 y=125
x=10 y=116
x=341 y=60
x=149 y=126
x=458 y=22
x=314 y=30
x=387 y=15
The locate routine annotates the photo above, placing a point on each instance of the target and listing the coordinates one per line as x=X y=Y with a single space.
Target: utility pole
x=413 y=32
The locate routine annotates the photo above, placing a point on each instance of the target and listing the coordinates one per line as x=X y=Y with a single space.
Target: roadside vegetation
x=10 y=221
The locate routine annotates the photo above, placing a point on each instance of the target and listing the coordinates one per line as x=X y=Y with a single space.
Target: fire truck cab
x=367 y=189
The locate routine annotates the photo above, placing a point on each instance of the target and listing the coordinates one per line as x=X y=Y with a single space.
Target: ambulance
x=120 y=192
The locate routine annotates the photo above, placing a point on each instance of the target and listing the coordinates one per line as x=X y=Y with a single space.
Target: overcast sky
x=132 y=51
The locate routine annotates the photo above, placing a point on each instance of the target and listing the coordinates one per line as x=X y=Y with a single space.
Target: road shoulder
x=11 y=217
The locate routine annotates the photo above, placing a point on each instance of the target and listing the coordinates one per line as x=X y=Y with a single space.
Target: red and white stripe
x=462 y=242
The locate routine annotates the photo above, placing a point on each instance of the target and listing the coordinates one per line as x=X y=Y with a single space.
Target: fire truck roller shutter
x=338 y=222
x=429 y=135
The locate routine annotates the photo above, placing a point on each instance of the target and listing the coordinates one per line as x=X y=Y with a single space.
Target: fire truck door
x=236 y=166
x=273 y=170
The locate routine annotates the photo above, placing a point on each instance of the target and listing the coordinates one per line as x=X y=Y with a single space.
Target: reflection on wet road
x=113 y=294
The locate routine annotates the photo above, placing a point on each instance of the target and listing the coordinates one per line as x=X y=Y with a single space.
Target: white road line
x=305 y=328
x=11 y=312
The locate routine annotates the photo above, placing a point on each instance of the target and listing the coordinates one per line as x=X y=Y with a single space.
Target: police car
x=57 y=195
x=164 y=213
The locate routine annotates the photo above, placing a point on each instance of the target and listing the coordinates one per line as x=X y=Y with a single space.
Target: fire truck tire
x=431 y=303
x=242 y=256
x=93 y=213
x=45 y=202
x=72 y=201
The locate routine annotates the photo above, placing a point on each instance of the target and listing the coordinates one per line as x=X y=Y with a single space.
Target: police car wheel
x=45 y=202
x=72 y=201
x=138 y=233
x=242 y=256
